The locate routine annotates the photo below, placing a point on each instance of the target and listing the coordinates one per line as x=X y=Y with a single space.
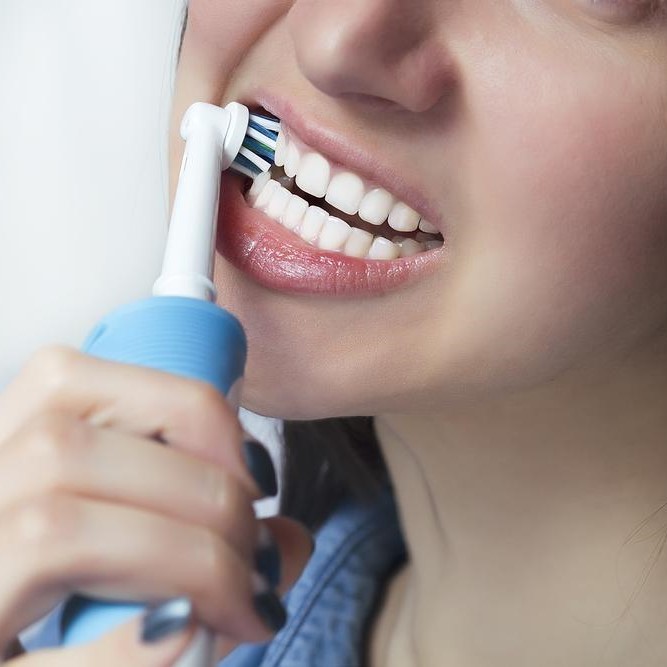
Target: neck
x=532 y=523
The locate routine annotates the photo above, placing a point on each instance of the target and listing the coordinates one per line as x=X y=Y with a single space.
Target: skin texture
x=520 y=391
x=87 y=504
x=552 y=262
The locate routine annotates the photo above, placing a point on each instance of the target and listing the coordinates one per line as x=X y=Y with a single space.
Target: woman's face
x=532 y=133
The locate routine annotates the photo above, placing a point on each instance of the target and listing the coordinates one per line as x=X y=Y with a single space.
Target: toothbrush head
x=259 y=145
x=216 y=139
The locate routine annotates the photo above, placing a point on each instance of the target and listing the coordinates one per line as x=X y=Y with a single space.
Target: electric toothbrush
x=180 y=329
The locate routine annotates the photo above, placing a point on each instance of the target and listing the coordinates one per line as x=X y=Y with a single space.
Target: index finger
x=185 y=413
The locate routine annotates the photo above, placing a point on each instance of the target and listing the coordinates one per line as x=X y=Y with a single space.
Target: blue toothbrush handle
x=180 y=335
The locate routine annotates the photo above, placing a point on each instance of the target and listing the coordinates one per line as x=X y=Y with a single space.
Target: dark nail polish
x=261 y=467
x=313 y=544
x=166 y=619
x=267 y=557
x=270 y=609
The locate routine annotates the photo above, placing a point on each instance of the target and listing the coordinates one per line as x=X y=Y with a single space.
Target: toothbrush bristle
x=266 y=120
x=259 y=145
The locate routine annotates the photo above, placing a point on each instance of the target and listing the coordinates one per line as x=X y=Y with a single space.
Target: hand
x=89 y=503
x=143 y=642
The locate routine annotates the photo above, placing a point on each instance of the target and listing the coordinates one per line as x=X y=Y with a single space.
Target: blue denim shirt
x=332 y=603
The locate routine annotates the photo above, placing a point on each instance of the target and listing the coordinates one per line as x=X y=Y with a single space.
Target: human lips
x=360 y=239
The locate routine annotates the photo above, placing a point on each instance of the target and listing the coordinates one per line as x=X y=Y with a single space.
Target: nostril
x=359 y=51
x=372 y=102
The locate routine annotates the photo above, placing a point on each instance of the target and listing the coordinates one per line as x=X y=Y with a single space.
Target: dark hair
x=325 y=460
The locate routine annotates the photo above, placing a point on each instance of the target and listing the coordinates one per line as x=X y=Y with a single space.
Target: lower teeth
x=316 y=226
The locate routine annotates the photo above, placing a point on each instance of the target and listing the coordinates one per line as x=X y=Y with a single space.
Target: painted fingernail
x=259 y=463
x=267 y=557
x=166 y=619
x=268 y=605
x=313 y=544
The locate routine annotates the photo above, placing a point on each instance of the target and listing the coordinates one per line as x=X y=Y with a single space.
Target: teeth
x=382 y=248
x=345 y=192
x=312 y=223
x=427 y=227
x=358 y=243
x=375 y=206
x=293 y=214
x=334 y=234
x=266 y=194
x=257 y=186
x=328 y=232
x=281 y=149
x=278 y=203
x=313 y=174
x=292 y=159
x=423 y=237
x=402 y=218
x=408 y=247
x=286 y=182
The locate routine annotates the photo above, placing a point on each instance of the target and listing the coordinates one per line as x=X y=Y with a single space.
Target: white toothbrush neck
x=213 y=137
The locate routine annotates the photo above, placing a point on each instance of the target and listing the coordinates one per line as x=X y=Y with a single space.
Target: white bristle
x=251 y=132
x=255 y=159
x=273 y=125
x=244 y=170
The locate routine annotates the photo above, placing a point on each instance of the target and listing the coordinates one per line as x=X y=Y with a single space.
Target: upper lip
x=338 y=148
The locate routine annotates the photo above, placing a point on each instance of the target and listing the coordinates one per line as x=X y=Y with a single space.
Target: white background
x=84 y=104
x=85 y=90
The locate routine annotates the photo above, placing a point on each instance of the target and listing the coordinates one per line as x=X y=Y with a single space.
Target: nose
x=372 y=50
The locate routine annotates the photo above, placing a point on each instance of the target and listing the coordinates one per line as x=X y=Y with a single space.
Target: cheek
x=567 y=248
x=218 y=34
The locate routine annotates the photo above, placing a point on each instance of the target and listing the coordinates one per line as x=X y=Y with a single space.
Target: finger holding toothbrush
x=90 y=504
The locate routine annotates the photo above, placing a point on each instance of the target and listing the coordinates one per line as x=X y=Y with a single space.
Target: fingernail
x=166 y=619
x=271 y=610
x=267 y=557
x=259 y=463
x=313 y=544
x=267 y=604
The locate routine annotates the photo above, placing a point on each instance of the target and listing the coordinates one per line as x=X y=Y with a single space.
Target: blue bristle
x=243 y=161
x=267 y=121
x=258 y=148
x=257 y=155
x=262 y=130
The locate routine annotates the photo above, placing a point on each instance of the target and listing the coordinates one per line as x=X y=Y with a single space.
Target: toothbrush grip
x=187 y=337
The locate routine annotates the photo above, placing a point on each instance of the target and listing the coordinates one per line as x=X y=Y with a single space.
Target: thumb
x=295 y=544
x=155 y=639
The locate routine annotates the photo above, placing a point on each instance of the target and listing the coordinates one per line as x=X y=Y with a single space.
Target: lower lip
x=277 y=259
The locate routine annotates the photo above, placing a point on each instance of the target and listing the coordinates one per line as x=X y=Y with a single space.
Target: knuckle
x=211 y=566
x=205 y=405
x=230 y=506
x=202 y=398
x=53 y=365
x=54 y=442
x=45 y=521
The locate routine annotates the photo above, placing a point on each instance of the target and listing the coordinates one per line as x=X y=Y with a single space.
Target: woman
x=517 y=375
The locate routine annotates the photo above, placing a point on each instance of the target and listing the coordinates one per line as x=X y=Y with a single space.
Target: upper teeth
x=343 y=189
